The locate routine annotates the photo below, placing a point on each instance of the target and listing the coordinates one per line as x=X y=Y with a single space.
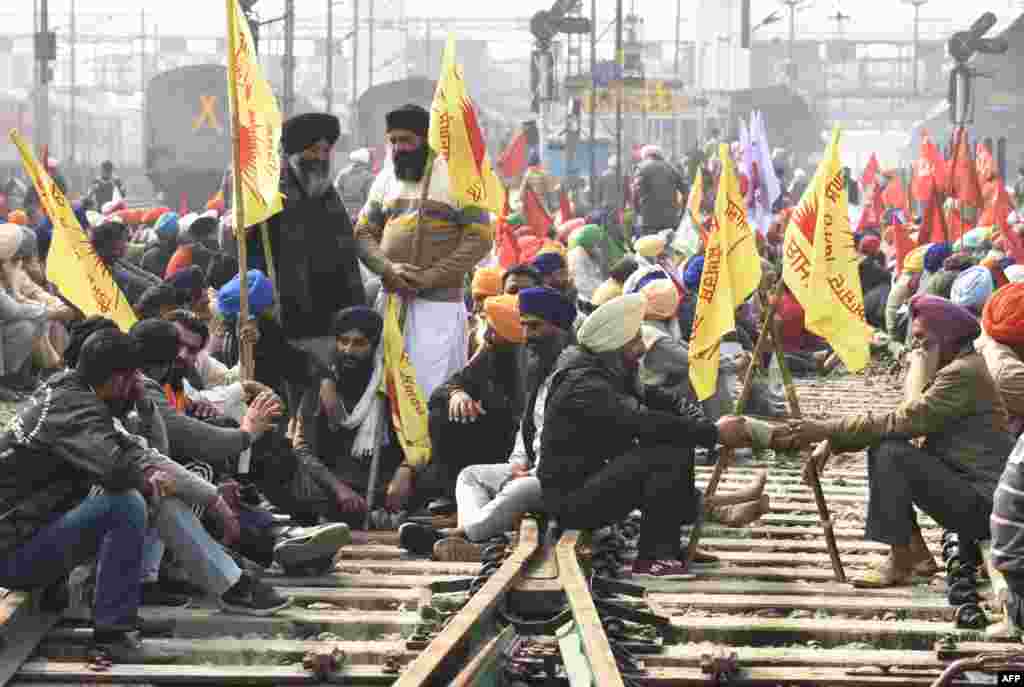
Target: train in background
x=187 y=137
x=367 y=122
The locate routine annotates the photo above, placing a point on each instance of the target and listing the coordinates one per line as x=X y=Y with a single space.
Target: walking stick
x=812 y=465
x=726 y=455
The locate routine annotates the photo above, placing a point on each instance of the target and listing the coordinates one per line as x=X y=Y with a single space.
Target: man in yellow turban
x=605 y=453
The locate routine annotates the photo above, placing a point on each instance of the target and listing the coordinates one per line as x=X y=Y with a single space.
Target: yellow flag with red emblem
x=820 y=263
x=732 y=271
x=256 y=126
x=455 y=134
x=72 y=264
x=696 y=196
x=409 y=414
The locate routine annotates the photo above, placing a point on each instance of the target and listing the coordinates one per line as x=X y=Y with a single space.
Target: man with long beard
x=422 y=246
x=314 y=253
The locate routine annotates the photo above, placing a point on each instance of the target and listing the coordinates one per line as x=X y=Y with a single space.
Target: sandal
x=885 y=575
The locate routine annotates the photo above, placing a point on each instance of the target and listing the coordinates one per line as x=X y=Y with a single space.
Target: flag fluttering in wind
x=256 y=127
x=512 y=161
x=455 y=134
x=929 y=171
x=820 y=263
x=537 y=218
x=693 y=203
x=72 y=264
x=732 y=271
x=870 y=175
x=765 y=185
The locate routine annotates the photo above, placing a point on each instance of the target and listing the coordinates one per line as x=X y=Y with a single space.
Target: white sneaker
x=312 y=545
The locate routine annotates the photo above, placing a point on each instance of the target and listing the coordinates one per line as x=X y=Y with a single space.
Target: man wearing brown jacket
x=1002 y=346
x=422 y=246
x=963 y=420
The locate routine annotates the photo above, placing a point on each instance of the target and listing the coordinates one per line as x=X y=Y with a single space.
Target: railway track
x=769 y=614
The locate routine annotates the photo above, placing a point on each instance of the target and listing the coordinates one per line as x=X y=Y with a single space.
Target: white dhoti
x=436 y=339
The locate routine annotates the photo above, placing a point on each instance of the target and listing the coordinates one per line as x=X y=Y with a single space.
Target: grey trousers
x=490 y=502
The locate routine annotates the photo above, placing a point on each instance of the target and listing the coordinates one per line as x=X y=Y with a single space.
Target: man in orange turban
x=1002 y=346
x=475 y=414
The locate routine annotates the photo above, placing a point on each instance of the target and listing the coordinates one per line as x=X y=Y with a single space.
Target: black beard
x=544 y=352
x=315 y=176
x=411 y=166
x=352 y=374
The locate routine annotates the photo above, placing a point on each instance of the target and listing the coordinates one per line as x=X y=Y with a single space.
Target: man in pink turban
x=953 y=476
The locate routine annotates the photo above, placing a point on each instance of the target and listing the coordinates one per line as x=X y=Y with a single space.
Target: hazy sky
x=206 y=16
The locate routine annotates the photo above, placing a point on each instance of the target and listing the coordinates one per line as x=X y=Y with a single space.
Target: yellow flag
x=696 y=195
x=732 y=271
x=72 y=264
x=255 y=124
x=408 y=406
x=820 y=263
x=455 y=134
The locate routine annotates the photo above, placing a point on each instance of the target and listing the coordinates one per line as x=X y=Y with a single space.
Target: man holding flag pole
x=428 y=221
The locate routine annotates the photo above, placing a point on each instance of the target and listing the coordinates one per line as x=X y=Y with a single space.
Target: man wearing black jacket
x=606 y=454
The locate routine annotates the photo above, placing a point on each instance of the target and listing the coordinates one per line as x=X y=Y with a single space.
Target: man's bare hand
x=253 y=389
x=400 y=489
x=203 y=410
x=262 y=412
x=161 y=484
x=733 y=432
x=462 y=408
x=249 y=333
x=348 y=500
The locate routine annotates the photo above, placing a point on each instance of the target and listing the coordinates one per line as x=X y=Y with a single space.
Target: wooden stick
x=268 y=254
x=812 y=472
x=417 y=239
x=726 y=455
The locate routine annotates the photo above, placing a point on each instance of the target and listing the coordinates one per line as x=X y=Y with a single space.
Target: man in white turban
x=605 y=453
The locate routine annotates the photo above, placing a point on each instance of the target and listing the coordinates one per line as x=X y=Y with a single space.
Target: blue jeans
x=110 y=526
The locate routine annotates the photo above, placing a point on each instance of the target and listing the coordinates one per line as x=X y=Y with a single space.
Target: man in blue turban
x=555 y=271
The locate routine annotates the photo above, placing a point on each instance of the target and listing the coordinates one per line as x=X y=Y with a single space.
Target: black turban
x=158 y=340
x=361 y=318
x=302 y=131
x=409 y=117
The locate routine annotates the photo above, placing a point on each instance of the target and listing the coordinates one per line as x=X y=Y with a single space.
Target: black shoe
x=156 y=594
x=183 y=587
x=442 y=506
x=418 y=539
x=126 y=647
x=251 y=597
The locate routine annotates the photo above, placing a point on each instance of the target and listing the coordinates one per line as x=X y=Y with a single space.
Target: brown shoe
x=457 y=550
x=742 y=514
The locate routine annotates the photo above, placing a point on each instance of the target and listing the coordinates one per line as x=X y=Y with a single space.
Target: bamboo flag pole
x=812 y=465
x=726 y=455
x=244 y=348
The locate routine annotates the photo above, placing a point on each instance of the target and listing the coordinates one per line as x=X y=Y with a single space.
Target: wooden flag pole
x=725 y=455
x=812 y=471
x=244 y=348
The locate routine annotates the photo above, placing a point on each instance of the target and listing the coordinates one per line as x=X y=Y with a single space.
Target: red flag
x=872 y=214
x=894 y=196
x=1015 y=245
x=933 y=224
x=512 y=161
x=955 y=222
x=984 y=163
x=564 y=206
x=929 y=170
x=963 y=177
x=902 y=243
x=183 y=205
x=536 y=216
x=870 y=175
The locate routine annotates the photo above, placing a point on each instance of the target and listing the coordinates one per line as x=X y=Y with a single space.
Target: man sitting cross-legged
x=344 y=420
x=952 y=477
x=606 y=454
x=492 y=497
